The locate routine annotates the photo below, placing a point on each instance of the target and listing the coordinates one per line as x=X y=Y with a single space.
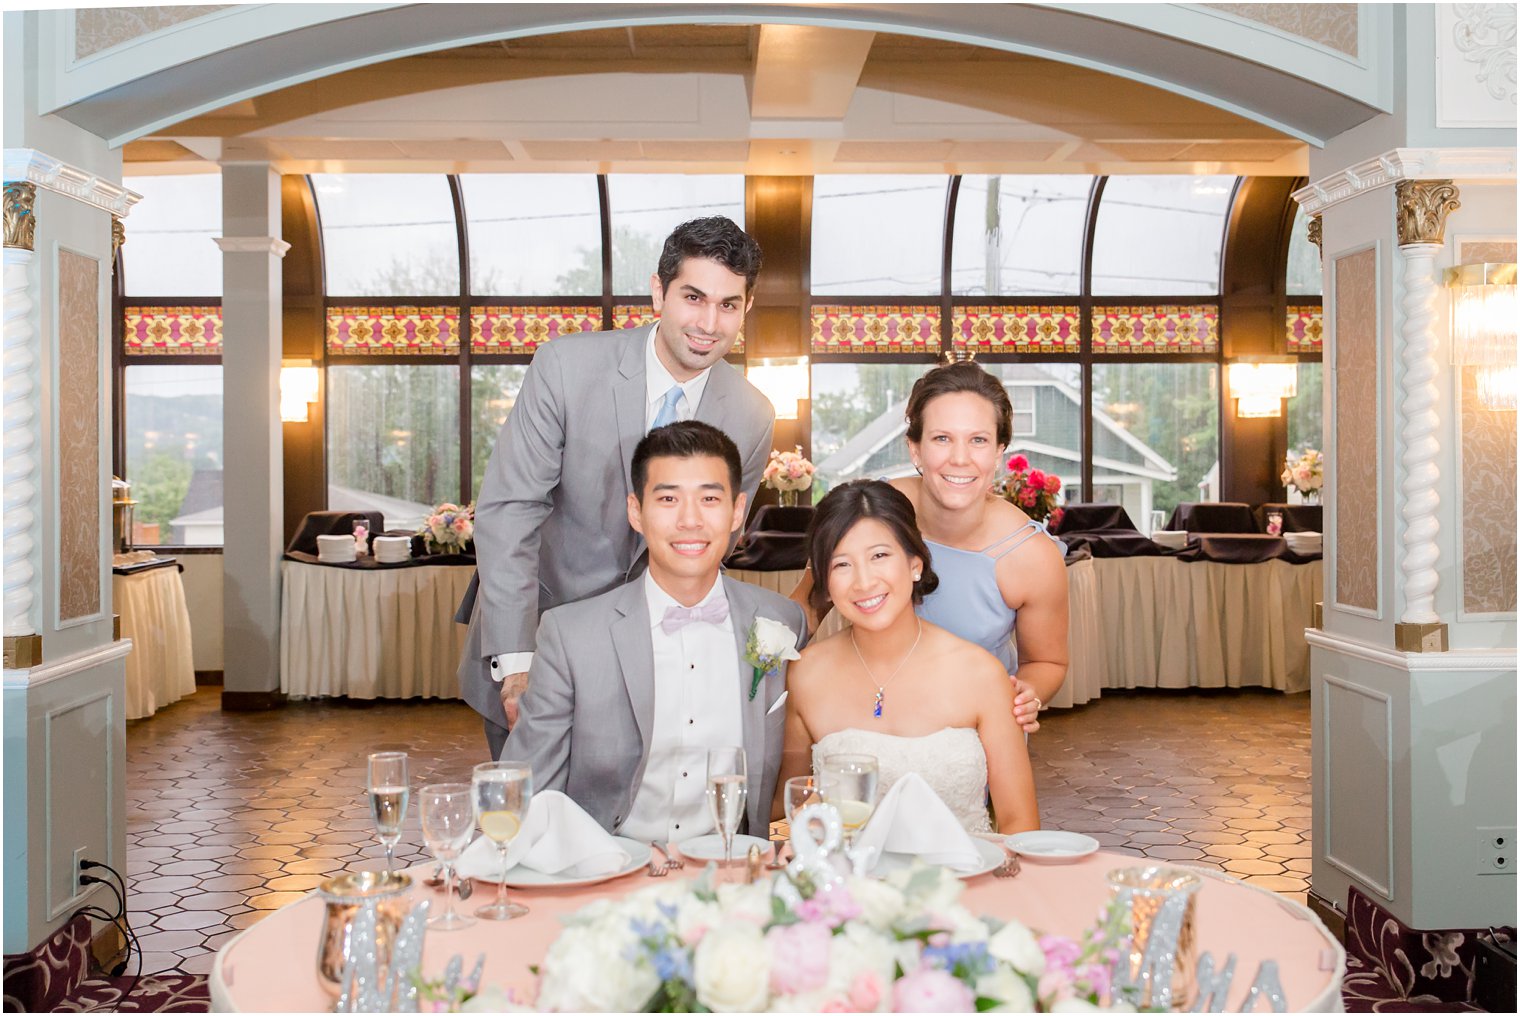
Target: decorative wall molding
x=1422 y=207
x=101 y=28
x=1360 y=768
x=1357 y=398
x=252 y=245
x=1333 y=26
x=1406 y=164
x=1453 y=661
x=46 y=172
x=20 y=215
x=1418 y=421
x=53 y=670
x=118 y=236
x=20 y=444
x=1317 y=235
x=1474 y=48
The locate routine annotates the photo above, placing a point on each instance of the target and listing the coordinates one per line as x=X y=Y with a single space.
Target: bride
x=894 y=686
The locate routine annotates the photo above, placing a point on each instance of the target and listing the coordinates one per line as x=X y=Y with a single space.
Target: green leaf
x=985 y=1004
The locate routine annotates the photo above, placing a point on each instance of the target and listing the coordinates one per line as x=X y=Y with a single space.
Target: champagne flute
x=727 y=787
x=848 y=782
x=389 y=788
x=502 y=793
x=448 y=818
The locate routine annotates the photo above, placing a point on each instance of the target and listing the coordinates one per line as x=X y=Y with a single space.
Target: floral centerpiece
x=788 y=472
x=449 y=529
x=1305 y=474
x=902 y=944
x=1032 y=490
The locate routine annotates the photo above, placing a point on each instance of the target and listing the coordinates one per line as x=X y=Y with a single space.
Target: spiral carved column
x=22 y=644
x=1423 y=206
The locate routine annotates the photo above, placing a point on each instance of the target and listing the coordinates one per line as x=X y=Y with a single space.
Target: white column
x=21 y=466
x=1418 y=423
x=253 y=481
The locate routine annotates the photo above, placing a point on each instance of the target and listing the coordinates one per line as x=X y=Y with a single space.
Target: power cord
x=123 y=923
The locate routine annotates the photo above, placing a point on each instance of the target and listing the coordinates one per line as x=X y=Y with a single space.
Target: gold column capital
x=1423 y=206
x=20 y=219
x=118 y=235
x=1317 y=234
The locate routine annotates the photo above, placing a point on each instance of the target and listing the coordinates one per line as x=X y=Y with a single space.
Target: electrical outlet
x=79 y=853
x=1496 y=850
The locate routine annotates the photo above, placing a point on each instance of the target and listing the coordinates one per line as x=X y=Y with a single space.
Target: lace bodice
x=951 y=761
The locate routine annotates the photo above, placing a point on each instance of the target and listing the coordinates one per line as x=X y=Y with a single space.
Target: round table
x=271 y=967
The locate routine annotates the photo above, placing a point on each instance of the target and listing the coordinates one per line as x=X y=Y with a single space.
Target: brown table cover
x=334 y=523
x=777 y=518
x=1083 y=517
x=1212 y=517
x=1297 y=518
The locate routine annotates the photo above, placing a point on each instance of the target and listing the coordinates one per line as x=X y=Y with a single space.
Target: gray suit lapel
x=635 y=652
x=742 y=610
x=630 y=400
x=720 y=380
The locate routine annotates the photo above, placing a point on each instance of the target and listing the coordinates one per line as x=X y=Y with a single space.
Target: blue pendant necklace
x=881 y=688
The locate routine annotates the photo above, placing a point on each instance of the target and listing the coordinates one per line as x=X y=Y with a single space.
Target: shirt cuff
x=510 y=663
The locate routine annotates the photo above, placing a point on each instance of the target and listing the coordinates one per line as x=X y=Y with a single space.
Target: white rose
x=1011 y=990
x=776 y=640
x=750 y=903
x=585 y=971
x=732 y=969
x=1016 y=945
x=880 y=904
x=963 y=925
x=933 y=889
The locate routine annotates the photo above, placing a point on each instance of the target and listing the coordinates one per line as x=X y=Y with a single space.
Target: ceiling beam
x=807 y=73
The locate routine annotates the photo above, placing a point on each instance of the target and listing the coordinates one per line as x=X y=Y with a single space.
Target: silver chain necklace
x=881 y=687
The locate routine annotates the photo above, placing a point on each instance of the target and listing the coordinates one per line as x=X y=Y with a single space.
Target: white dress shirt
x=697 y=706
x=657 y=381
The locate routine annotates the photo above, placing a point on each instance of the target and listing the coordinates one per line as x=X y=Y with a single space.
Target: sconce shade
x=1483 y=329
x=298 y=389
x=1258 y=387
x=784 y=380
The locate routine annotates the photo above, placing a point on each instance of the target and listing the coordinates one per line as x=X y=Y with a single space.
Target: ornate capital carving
x=1423 y=206
x=1317 y=234
x=118 y=235
x=20 y=220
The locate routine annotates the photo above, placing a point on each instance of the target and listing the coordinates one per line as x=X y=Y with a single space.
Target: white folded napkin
x=558 y=838
x=912 y=819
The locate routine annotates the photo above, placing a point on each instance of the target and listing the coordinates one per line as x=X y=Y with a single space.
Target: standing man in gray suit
x=630 y=689
x=550 y=522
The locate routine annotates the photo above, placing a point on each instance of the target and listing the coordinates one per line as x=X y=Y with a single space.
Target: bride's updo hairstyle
x=837 y=514
x=960 y=377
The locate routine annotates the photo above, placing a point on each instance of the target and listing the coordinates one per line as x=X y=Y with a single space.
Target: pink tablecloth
x=271 y=967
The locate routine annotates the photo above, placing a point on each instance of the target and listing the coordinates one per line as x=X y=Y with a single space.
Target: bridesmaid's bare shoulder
x=909 y=485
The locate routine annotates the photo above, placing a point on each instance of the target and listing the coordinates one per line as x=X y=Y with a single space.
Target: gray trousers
x=496 y=737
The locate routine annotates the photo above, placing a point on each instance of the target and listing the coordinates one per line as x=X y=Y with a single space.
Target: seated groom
x=628 y=690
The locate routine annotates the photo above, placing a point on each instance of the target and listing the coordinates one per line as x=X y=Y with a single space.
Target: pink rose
x=865 y=992
x=931 y=990
x=837 y=1005
x=1056 y=516
x=1018 y=463
x=799 y=958
x=1052 y=484
x=1037 y=479
x=460 y=523
x=1028 y=496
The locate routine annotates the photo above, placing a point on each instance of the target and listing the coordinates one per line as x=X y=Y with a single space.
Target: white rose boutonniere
x=769 y=643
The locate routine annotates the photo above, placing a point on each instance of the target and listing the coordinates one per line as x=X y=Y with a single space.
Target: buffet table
x=150 y=598
x=371 y=631
x=271 y=967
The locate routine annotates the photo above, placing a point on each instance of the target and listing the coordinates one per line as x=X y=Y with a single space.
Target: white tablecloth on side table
x=153 y=615
x=371 y=633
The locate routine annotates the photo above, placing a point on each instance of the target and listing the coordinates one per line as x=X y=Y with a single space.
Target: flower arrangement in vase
x=449 y=529
x=1305 y=474
x=1031 y=490
x=788 y=473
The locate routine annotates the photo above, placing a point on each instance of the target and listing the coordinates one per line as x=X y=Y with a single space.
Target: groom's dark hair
x=687 y=439
x=838 y=513
x=717 y=238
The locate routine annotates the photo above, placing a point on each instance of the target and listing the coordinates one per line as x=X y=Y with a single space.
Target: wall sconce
x=1483 y=330
x=298 y=389
x=1259 y=386
x=784 y=380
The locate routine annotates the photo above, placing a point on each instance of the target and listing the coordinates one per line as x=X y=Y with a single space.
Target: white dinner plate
x=991 y=855
x=519 y=877
x=1051 y=846
x=710 y=847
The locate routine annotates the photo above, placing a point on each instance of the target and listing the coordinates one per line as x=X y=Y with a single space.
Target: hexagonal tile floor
x=231 y=815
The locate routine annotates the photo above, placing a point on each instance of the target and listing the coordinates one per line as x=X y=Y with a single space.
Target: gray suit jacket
x=588 y=714
x=551 y=521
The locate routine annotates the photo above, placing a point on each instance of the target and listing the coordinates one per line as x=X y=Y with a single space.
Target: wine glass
x=848 y=782
x=502 y=792
x=797 y=793
x=727 y=787
x=389 y=789
x=448 y=818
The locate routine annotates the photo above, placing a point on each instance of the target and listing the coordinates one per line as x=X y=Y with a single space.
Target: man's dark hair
x=837 y=514
x=686 y=439
x=959 y=377
x=716 y=238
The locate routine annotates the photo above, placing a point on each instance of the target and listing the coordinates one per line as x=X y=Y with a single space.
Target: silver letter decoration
x=1148 y=984
x=1267 y=983
x=375 y=983
x=1213 y=989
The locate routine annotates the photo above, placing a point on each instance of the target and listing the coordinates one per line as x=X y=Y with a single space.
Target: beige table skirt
x=371 y=633
x=154 y=616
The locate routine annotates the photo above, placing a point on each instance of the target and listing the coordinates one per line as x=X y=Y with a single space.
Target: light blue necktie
x=667 y=413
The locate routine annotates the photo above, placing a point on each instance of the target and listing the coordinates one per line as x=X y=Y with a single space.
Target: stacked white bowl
x=1305 y=542
x=1173 y=539
x=335 y=549
x=392 y=549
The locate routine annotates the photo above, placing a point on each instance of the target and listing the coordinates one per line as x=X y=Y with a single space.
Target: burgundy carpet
x=54 y=977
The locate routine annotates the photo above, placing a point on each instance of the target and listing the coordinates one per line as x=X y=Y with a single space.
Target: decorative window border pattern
x=172 y=331
x=634 y=315
x=852 y=329
x=366 y=330
x=1306 y=328
x=522 y=329
x=1018 y=329
x=1156 y=329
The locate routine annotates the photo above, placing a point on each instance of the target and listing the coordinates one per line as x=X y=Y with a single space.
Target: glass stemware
x=448 y=818
x=389 y=789
x=797 y=793
x=502 y=791
x=727 y=788
x=848 y=782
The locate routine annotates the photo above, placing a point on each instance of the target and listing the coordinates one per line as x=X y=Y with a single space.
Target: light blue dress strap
x=1023 y=533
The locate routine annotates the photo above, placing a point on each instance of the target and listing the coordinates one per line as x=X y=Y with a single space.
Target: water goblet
x=448 y=818
x=502 y=791
x=848 y=782
x=727 y=788
x=389 y=789
x=797 y=793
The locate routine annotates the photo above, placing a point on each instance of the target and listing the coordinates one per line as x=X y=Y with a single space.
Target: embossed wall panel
x=79 y=789
x=1356 y=431
x=1330 y=25
x=78 y=435
x=100 y=28
x=1475 y=65
x=1488 y=480
x=1356 y=737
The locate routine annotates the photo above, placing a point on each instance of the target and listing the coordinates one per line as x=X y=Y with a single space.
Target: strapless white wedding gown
x=951 y=761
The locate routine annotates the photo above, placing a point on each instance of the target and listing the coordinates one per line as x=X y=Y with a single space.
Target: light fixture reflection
x=1483 y=330
x=298 y=389
x=1259 y=386
x=784 y=380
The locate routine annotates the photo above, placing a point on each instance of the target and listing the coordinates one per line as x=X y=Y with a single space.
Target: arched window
x=878 y=235
x=388 y=235
x=645 y=208
x=533 y=234
x=1306 y=425
x=1160 y=235
x=1019 y=235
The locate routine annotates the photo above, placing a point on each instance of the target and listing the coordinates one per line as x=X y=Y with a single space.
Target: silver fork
x=662 y=869
x=1008 y=868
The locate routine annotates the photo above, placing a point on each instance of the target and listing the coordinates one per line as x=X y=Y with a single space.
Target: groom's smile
x=686 y=513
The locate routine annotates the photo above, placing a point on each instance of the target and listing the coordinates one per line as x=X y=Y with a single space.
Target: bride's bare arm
x=1010 y=778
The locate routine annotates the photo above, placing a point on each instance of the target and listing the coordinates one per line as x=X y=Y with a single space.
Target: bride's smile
x=871 y=577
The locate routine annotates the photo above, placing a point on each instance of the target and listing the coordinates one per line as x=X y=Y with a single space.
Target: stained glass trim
x=908 y=330
x=1031 y=329
x=1155 y=329
x=388 y=330
x=1306 y=329
x=172 y=331
x=519 y=329
x=633 y=315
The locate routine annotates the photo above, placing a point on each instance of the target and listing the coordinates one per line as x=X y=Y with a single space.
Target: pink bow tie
x=679 y=617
